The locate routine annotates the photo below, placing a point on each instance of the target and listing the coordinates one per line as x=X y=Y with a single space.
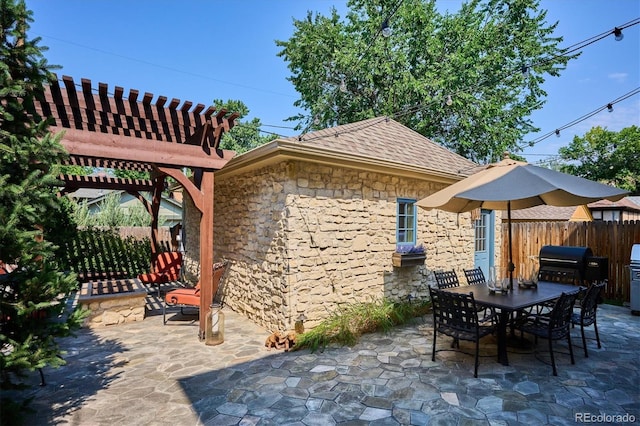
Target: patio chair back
x=456 y=315
x=446 y=279
x=474 y=276
x=554 y=325
x=587 y=314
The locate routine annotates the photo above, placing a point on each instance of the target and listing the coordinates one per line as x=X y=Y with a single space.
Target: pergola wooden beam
x=111 y=130
x=131 y=149
x=74 y=182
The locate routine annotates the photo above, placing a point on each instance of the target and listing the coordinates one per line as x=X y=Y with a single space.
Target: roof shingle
x=386 y=139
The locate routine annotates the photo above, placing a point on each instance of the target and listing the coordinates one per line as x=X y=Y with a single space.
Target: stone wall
x=191 y=241
x=112 y=307
x=305 y=238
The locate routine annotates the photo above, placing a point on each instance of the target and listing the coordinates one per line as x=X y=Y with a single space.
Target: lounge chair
x=190 y=297
x=166 y=268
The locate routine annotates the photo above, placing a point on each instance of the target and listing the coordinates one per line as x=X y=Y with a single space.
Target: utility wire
x=608 y=106
x=518 y=71
x=168 y=68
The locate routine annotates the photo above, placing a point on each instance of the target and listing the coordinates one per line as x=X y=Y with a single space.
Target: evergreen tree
x=33 y=293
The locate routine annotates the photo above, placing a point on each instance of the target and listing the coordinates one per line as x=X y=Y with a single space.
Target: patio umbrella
x=513 y=185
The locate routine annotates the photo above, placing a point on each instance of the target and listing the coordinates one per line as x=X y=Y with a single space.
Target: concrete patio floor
x=147 y=373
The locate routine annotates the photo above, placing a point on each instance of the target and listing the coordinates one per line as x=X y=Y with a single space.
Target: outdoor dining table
x=516 y=299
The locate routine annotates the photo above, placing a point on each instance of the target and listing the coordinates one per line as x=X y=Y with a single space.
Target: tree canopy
x=244 y=136
x=455 y=78
x=605 y=156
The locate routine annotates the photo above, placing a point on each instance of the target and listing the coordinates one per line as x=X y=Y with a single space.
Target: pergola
x=109 y=130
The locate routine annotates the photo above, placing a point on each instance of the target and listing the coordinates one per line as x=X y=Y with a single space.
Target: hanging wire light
x=609 y=107
x=386 y=29
x=617 y=32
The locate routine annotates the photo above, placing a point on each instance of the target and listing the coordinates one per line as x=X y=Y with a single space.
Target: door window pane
x=481 y=233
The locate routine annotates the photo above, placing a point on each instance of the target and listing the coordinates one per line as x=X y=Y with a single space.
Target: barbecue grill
x=574 y=261
x=634 y=285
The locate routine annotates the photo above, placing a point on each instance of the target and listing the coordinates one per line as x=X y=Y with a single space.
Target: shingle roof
x=543 y=212
x=386 y=139
x=626 y=203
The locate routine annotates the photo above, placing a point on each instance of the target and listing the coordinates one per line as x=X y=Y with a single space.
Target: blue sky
x=204 y=50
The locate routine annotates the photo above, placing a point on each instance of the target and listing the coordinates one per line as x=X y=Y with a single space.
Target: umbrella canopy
x=511 y=184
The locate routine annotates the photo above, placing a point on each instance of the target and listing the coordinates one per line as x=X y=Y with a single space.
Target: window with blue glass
x=406 y=223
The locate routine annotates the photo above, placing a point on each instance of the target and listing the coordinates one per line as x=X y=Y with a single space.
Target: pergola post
x=158 y=186
x=206 y=250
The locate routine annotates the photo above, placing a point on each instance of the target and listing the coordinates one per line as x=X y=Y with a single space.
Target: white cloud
x=619 y=77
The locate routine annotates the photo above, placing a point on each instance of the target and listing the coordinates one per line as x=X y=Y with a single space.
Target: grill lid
x=566 y=255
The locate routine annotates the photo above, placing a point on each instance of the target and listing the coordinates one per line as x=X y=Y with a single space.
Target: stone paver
x=147 y=373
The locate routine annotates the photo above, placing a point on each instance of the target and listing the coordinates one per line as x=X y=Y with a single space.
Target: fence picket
x=606 y=239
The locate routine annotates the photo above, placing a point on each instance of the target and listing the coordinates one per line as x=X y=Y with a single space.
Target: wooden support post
x=158 y=186
x=206 y=249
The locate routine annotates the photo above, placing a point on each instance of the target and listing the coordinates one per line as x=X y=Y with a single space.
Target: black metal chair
x=587 y=314
x=456 y=315
x=474 y=276
x=446 y=279
x=554 y=325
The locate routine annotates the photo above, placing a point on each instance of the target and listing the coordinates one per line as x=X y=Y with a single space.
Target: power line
x=519 y=71
x=608 y=106
x=168 y=68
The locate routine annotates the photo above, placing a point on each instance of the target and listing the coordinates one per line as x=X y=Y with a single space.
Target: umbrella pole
x=511 y=265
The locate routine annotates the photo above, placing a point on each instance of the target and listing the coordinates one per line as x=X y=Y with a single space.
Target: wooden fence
x=606 y=239
x=102 y=253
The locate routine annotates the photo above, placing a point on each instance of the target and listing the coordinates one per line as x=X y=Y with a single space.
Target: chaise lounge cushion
x=183 y=296
x=166 y=268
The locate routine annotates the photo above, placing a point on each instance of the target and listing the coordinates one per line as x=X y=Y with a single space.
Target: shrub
x=347 y=324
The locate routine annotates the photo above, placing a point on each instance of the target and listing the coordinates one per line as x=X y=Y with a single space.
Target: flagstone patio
x=147 y=373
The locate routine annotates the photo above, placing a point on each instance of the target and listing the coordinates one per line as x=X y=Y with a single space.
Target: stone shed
x=310 y=223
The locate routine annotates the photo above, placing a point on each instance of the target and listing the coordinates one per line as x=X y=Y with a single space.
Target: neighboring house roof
x=624 y=204
x=170 y=209
x=545 y=213
x=635 y=200
x=553 y=213
x=89 y=193
x=381 y=143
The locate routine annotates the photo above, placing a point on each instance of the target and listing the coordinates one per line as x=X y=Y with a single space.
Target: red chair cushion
x=183 y=296
x=166 y=268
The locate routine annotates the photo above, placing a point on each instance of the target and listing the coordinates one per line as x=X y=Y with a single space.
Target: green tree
x=606 y=156
x=112 y=215
x=455 y=78
x=245 y=135
x=74 y=170
x=33 y=296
